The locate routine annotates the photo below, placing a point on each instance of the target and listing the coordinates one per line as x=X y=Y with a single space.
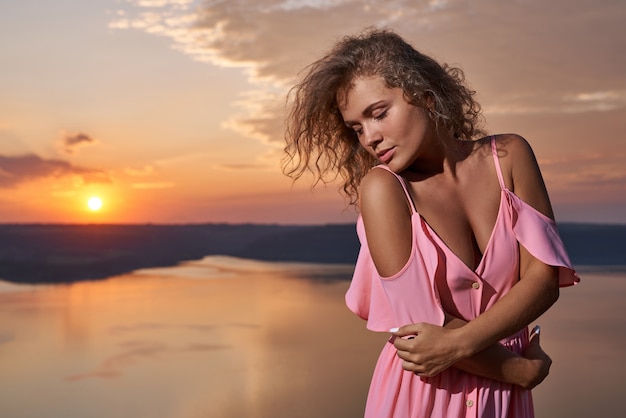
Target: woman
x=459 y=249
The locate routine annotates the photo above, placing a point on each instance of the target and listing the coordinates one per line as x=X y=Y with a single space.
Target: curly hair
x=318 y=141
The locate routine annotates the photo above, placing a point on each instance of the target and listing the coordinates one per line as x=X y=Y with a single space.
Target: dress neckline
x=443 y=245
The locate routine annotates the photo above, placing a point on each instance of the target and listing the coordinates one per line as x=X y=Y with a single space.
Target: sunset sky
x=171 y=111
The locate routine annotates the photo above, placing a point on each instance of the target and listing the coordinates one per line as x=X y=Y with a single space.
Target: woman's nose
x=370 y=137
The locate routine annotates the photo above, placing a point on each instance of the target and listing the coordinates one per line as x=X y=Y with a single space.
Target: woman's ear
x=429 y=101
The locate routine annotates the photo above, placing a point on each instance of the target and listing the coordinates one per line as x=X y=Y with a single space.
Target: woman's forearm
x=499 y=363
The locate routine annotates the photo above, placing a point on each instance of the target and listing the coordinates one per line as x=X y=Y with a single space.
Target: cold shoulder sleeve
x=539 y=235
x=408 y=297
x=366 y=296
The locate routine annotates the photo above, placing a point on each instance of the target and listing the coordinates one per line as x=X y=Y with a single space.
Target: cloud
x=587 y=171
x=599 y=101
x=18 y=169
x=266 y=39
x=581 y=102
x=256 y=35
x=524 y=57
x=70 y=142
x=262 y=115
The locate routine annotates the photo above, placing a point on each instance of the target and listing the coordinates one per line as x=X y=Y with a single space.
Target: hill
x=66 y=253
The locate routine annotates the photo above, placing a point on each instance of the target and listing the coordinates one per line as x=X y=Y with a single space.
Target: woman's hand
x=427 y=349
x=538 y=363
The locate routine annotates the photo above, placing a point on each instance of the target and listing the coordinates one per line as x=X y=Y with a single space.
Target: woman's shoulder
x=505 y=143
x=513 y=152
x=382 y=191
x=379 y=184
x=378 y=176
x=510 y=145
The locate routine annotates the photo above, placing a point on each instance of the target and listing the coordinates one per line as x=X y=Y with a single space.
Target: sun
x=94 y=203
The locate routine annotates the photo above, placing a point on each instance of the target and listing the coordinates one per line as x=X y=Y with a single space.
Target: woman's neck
x=442 y=157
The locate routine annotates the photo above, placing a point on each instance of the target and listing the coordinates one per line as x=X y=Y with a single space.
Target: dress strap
x=404 y=187
x=496 y=161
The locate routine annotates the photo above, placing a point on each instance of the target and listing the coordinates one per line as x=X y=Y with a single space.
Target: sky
x=172 y=111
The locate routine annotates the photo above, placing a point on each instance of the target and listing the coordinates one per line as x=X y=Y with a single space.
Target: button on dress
x=435 y=280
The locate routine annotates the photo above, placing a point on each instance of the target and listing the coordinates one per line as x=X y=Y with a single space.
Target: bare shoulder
x=382 y=198
x=514 y=148
x=521 y=171
x=380 y=186
x=387 y=220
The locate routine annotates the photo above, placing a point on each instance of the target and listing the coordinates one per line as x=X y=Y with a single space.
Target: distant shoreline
x=64 y=253
x=53 y=253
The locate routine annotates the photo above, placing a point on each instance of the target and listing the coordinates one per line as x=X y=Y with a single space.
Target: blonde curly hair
x=317 y=139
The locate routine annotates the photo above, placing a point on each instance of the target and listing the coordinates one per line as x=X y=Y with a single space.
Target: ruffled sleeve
x=366 y=296
x=539 y=235
x=409 y=296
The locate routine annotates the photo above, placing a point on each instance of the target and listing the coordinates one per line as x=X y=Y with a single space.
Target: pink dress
x=444 y=283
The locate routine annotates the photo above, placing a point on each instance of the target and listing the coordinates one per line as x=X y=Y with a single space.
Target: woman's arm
x=499 y=363
x=434 y=348
x=387 y=219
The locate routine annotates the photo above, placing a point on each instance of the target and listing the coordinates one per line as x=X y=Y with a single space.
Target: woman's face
x=391 y=129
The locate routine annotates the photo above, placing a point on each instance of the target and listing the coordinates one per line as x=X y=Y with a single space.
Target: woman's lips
x=386 y=155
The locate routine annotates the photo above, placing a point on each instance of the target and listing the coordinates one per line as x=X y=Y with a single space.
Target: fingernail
x=394 y=330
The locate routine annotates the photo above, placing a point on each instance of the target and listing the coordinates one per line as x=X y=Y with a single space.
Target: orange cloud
x=29 y=167
x=70 y=142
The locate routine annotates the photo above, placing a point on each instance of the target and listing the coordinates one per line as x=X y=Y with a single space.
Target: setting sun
x=94 y=203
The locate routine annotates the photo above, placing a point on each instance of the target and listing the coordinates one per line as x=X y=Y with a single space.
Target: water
x=226 y=337
x=217 y=338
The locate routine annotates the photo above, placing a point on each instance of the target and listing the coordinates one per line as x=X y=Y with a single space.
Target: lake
x=227 y=337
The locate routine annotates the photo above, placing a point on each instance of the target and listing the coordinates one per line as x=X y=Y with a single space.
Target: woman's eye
x=381 y=115
x=358 y=131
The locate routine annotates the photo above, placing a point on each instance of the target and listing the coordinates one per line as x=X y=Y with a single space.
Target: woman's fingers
x=430 y=348
x=406 y=330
